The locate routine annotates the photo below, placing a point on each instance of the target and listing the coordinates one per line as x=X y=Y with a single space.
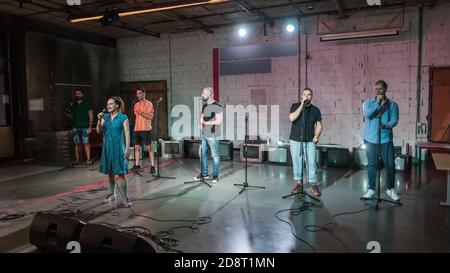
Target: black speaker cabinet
x=226 y=150
x=51 y=232
x=191 y=148
x=338 y=157
x=96 y=238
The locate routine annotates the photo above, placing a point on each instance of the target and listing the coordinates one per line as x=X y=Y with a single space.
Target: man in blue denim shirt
x=210 y=122
x=387 y=109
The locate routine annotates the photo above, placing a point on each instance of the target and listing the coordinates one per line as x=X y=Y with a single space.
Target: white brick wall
x=340 y=73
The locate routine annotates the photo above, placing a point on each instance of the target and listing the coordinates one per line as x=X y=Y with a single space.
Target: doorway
x=439 y=118
x=154 y=90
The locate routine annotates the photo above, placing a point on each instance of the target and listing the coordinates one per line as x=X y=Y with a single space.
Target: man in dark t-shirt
x=210 y=122
x=305 y=132
x=80 y=111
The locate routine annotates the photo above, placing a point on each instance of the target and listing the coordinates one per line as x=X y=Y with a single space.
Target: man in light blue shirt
x=387 y=109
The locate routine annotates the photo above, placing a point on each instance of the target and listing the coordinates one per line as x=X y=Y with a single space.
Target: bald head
x=207 y=93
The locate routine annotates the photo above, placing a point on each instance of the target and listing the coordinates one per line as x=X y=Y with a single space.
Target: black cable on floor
x=331 y=227
x=296 y=211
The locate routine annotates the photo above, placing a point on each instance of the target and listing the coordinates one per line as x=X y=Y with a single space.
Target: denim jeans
x=213 y=144
x=387 y=155
x=297 y=154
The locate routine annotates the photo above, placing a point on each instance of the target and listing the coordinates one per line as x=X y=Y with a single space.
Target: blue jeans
x=297 y=154
x=80 y=135
x=387 y=155
x=213 y=143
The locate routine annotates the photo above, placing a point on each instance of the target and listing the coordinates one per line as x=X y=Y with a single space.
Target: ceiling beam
x=329 y=12
x=340 y=9
x=291 y=3
x=129 y=27
x=251 y=10
x=186 y=20
x=299 y=11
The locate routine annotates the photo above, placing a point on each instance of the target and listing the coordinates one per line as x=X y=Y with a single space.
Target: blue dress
x=113 y=155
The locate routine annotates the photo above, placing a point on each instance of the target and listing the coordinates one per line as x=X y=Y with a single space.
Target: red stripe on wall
x=216 y=73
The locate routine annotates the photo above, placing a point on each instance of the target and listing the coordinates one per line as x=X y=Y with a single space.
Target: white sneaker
x=392 y=194
x=110 y=198
x=214 y=179
x=369 y=194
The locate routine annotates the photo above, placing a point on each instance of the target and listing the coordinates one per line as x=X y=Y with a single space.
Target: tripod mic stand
x=245 y=185
x=378 y=198
x=302 y=192
x=158 y=149
x=203 y=179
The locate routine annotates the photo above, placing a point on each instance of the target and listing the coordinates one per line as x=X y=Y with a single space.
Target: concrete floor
x=246 y=222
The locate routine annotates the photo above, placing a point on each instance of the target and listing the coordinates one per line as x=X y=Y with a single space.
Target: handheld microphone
x=104 y=111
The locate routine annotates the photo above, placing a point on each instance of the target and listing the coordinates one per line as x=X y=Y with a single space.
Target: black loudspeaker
x=338 y=157
x=226 y=150
x=191 y=148
x=51 y=232
x=96 y=238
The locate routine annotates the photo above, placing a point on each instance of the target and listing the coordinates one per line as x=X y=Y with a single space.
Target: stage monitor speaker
x=279 y=155
x=360 y=158
x=51 y=232
x=191 y=148
x=97 y=238
x=226 y=150
x=403 y=163
x=338 y=157
x=255 y=153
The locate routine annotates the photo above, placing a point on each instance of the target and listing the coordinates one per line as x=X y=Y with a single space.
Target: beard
x=204 y=99
x=78 y=98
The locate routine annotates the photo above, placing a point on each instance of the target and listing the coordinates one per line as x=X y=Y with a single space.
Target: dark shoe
x=315 y=190
x=135 y=168
x=215 y=179
x=89 y=162
x=152 y=170
x=297 y=188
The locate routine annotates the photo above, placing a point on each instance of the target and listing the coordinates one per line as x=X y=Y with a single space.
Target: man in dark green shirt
x=82 y=116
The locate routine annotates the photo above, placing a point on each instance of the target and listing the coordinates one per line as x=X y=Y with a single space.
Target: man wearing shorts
x=82 y=116
x=143 y=110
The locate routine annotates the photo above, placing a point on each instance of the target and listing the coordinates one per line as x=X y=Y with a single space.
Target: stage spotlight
x=111 y=15
x=242 y=32
x=290 y=28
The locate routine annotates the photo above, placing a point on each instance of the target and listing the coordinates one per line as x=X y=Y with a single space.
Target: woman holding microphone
x=116 y=147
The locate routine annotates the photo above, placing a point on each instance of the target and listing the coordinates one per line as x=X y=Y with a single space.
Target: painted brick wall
x=340 y=73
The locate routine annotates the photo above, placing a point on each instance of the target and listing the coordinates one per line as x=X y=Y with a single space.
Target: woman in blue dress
x=116 y=147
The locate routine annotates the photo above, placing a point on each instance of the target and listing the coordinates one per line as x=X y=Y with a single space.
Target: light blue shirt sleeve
x=394 y=116
x=369 y=107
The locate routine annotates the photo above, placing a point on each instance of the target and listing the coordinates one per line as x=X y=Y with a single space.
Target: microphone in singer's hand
x=104 y=111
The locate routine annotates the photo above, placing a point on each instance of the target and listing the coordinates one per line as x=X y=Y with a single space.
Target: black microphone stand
x=245 y=185
x=158 y=150
x=378 y=198
x=302 y=192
